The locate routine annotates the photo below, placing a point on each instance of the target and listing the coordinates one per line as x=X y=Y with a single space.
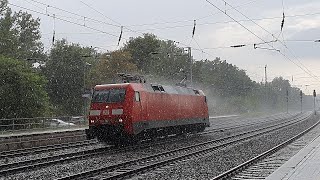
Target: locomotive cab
x=108 y=113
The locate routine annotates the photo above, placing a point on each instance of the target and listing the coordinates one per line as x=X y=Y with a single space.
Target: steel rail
x=173 y=155
x=41 y=149
x=244 y=165
x=34 y=150
x=54 y=136
x=29 y=164
x=252 y=124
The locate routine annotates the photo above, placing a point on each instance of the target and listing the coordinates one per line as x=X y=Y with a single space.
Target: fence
x=24 y=124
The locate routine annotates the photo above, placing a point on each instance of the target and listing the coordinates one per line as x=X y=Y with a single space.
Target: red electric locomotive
x=129 y=111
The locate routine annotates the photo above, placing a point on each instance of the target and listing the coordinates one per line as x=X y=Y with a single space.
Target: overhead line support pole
x=314 y=101
x=265 y=74
x=301 y=100
x=191 y=64
x=287 y=100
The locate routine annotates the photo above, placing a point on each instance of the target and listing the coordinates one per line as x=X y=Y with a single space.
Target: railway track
x=22 y=142
x=260 y=122
x=41 y=149
x=240 y=120
x=54 y=147
x=41 y=162
x=129 y=168
x=252 y=169
x=64 y=146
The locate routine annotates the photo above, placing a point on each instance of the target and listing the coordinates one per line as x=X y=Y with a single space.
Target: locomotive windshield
x=109 y=96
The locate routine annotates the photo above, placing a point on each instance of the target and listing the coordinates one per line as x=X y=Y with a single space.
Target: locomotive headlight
x=120 y=120
x=107 y=107
x=92 y=121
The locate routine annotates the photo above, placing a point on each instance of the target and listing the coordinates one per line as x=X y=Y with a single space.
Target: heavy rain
x=212 y=89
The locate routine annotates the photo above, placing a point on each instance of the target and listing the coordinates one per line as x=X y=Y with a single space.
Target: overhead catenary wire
x=196 y=49
x=305 y=69
x=179 y=26
x=139 y=32
x=284 y=44
x=100 y=13
x=119 y=24
x=61 y=19
x=200 y=49
x=69 y=12
x=187 y=20
x=286 y=57
x=237 y=21
x=81 y=24
x=88 y=18
x=227 y=22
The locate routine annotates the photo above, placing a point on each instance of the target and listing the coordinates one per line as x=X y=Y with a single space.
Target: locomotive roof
x=153 y=88
x=109 y=86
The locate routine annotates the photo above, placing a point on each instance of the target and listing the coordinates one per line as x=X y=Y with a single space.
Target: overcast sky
x=215 y=31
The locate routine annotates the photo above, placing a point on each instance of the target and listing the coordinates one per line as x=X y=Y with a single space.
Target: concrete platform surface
x=305 y=165
x=40 y=132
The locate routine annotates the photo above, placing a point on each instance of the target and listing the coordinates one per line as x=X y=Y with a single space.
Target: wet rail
x=232 y=173
x=42 y=162
x=54 y=147
x=139 y=165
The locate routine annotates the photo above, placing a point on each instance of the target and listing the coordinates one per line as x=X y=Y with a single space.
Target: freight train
x=128 y=112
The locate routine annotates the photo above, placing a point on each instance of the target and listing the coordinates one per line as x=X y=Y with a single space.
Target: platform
x=40 y=132
x=40 y=137
x=305 y=165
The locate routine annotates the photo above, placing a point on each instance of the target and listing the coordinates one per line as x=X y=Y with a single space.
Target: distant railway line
x=132 y=167
x=273 y=123
x=243 y=170
x=55 y=147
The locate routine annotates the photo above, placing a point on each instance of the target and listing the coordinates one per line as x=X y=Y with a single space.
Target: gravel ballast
x=196 y=169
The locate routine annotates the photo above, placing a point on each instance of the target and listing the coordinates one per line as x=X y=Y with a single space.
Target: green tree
x=109 y=64
x=66 y=71
x=170 y=61
x=141 y=49
x=159 y=58
x=19 y=34
x=22 y=90
x=278 y=89
x=225 y=79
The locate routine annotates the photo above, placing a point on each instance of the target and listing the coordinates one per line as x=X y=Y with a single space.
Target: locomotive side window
x=137 y=96
x=155 y=87
x=161 y=89
x=158 y=88
x=111 y=95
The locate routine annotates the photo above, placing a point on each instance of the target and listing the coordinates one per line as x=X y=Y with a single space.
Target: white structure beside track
x=305 y=165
